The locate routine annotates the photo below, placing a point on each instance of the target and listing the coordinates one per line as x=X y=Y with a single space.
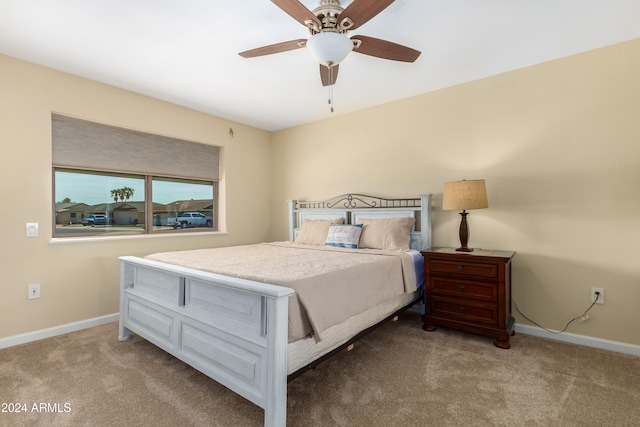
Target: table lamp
x=464 y=195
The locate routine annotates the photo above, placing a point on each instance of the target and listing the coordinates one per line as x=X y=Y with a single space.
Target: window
x=193 y=209
x=93 y=202
x=110 y=180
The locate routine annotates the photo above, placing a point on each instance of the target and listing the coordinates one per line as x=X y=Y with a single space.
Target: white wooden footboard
x=233 y=330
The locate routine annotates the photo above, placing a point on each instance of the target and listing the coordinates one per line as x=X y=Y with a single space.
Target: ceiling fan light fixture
x=329 y=48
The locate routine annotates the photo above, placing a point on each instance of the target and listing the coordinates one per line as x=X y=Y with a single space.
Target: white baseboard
x=616 y=346
x=521 y=329
x=57 y=330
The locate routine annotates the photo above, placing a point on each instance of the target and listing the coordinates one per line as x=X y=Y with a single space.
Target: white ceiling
x=186 y=51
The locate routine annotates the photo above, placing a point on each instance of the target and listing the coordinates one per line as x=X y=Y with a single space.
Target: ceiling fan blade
x=385 y=49
x=361 y=11
x=328 y=75
x=298 y=11
x=274 y=48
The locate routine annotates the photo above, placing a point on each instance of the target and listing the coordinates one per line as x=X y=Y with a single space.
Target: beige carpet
x=397 y=376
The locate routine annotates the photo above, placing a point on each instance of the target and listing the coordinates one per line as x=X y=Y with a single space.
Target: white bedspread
x=332 y=284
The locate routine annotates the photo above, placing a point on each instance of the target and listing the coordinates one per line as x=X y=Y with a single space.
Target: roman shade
x=87 y=145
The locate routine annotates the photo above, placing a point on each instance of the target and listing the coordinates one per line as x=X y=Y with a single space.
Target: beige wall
x=558 y=144
x=80 y=280
x=559 y=147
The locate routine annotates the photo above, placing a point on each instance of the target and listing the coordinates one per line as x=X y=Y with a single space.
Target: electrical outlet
x=600 y=295
x=34 y=291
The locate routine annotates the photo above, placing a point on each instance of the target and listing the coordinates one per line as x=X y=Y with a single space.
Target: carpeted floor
x=398 y=375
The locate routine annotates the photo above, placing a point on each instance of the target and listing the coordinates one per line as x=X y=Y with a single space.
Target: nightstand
x=469 y=291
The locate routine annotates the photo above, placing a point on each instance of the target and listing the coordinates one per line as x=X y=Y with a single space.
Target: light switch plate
x=32 y=229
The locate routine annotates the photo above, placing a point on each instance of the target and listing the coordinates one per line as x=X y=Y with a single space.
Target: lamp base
x=464 y=233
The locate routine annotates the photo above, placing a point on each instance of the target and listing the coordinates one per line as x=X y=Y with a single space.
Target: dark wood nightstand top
x=475 y=253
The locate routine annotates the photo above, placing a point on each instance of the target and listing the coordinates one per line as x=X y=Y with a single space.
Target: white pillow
x=314 y=231
x=344 y=236
x=386 y=233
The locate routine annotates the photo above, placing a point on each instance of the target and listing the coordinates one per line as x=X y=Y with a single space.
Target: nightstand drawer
x=464 y=268
x=464 y=310
x=459 y=288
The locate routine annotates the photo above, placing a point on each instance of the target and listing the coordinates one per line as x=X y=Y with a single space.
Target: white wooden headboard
x=354 y=207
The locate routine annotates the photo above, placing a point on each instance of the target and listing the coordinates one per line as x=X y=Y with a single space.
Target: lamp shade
x=329 y=48
x=465 y=195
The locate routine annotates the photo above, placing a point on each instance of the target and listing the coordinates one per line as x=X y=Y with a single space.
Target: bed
x=253 y=317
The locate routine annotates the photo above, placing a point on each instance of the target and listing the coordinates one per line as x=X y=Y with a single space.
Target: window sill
x=64 y=240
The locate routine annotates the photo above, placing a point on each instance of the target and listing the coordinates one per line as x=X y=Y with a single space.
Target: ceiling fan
x=329 y=25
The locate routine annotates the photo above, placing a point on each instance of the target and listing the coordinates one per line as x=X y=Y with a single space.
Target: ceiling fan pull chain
x=331 y=97
x=331 y=88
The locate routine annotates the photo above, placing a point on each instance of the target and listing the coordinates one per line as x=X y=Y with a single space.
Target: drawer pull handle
x=461 y=288
x=461 y=309
x=460 y=268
